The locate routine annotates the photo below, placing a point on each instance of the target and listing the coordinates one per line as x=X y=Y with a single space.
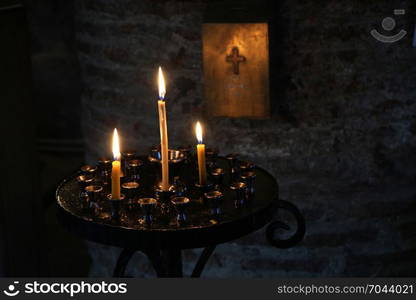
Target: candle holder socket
x=115 y=206
x=214 y=199
x=202 y=189
x=176 y=159
x=104 y=164
x=211 y=154
x=163 y=199
x=232 y=158
x=232 y=164
x=249 y=178
x=180 y=187
x=130 y=189
x=84 y=181
x=186 y=152
x=164 y=196
x=147 y=205
x=104 y=171
x=88 y=170
x=217 y=176
x=94 y=193
x=174 y=156
x=240 y=189
x=133 y=169
x=127 y=156
x=246 y=166
x=180 y=204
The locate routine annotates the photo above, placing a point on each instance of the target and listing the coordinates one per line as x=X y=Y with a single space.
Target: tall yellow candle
x=163 y=132
x=116 y=168
x=201 y=155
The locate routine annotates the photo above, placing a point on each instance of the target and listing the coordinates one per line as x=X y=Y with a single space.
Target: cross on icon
x=235 y=59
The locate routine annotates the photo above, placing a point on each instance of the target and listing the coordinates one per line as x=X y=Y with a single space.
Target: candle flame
x=198 y=131
x=116 y=145
x=162 y=86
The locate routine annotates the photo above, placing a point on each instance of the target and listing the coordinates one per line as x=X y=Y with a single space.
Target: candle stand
x=163 y=223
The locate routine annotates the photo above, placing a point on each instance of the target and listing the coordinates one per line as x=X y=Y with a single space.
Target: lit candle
x=201 y=155
x=116 y=168
x=163 y=132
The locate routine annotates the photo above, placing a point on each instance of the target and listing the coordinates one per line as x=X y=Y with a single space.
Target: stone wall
x=340 y=141
x=121 y=45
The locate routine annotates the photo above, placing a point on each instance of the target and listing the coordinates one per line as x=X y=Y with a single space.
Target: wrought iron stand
x=163 y=240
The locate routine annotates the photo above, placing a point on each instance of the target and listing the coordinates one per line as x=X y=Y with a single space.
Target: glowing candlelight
x=116 y=168
x=201 y=155
x=161 y=85
x=163 y=131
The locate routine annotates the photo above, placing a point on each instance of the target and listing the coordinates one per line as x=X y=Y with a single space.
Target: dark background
x=341 y=139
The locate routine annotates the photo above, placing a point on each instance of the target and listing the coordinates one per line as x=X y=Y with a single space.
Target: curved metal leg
x=167 y=263
x=122 y=262
x=157 y=262
x=173 y=262
x=296 y=237
x=205 y=255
